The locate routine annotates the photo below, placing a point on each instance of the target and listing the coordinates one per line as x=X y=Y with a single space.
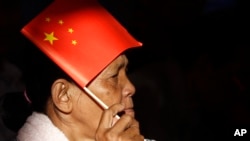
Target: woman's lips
x=130 y=111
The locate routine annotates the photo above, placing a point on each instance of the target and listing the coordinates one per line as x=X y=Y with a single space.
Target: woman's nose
x=129 y=89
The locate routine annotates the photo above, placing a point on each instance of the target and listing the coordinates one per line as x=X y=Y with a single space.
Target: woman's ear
x=60 y=95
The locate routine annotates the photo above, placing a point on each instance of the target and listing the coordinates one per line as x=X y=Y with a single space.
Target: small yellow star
x=50 y=37
x=60 y=22
x=74 y=42
x=70 y=30
x=47 y=19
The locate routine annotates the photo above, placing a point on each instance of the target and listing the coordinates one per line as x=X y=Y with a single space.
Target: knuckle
x=108 y=111
x=127 y=117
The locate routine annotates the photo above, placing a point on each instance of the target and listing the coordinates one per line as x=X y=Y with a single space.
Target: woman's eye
x=113 y=76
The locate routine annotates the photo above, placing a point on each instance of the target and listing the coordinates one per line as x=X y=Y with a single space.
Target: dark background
x=191 y=75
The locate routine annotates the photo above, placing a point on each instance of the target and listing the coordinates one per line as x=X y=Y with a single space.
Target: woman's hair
x=39 y=74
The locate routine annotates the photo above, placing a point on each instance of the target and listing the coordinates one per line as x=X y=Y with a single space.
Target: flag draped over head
x=80 y=36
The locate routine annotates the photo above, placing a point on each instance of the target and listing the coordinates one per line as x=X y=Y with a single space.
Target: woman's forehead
x=118 y=62
x=122 y=59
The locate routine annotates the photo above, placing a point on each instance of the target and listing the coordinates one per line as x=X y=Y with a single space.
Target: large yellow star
x=50 y=37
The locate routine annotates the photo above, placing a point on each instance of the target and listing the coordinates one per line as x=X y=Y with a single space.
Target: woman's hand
x=112 y=129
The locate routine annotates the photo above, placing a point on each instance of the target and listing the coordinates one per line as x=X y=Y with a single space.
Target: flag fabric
x=80 y=36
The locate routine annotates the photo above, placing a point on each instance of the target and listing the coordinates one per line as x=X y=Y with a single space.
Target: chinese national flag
x=80 y=36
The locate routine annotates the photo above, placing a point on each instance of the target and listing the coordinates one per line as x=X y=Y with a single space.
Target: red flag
x=80 y=36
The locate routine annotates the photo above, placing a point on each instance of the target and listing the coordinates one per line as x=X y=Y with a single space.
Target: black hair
x=39 y=71
x=39 y=74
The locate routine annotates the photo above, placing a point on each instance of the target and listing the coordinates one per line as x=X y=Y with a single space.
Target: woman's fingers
x=128 y=128
x=109 y=116
x=125 y=129
x=125 y=122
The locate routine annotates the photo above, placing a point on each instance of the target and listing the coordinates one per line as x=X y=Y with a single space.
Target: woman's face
x=112 y=86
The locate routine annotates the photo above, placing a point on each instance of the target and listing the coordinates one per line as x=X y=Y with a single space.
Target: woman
x=64 y=112
x=76 y=81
